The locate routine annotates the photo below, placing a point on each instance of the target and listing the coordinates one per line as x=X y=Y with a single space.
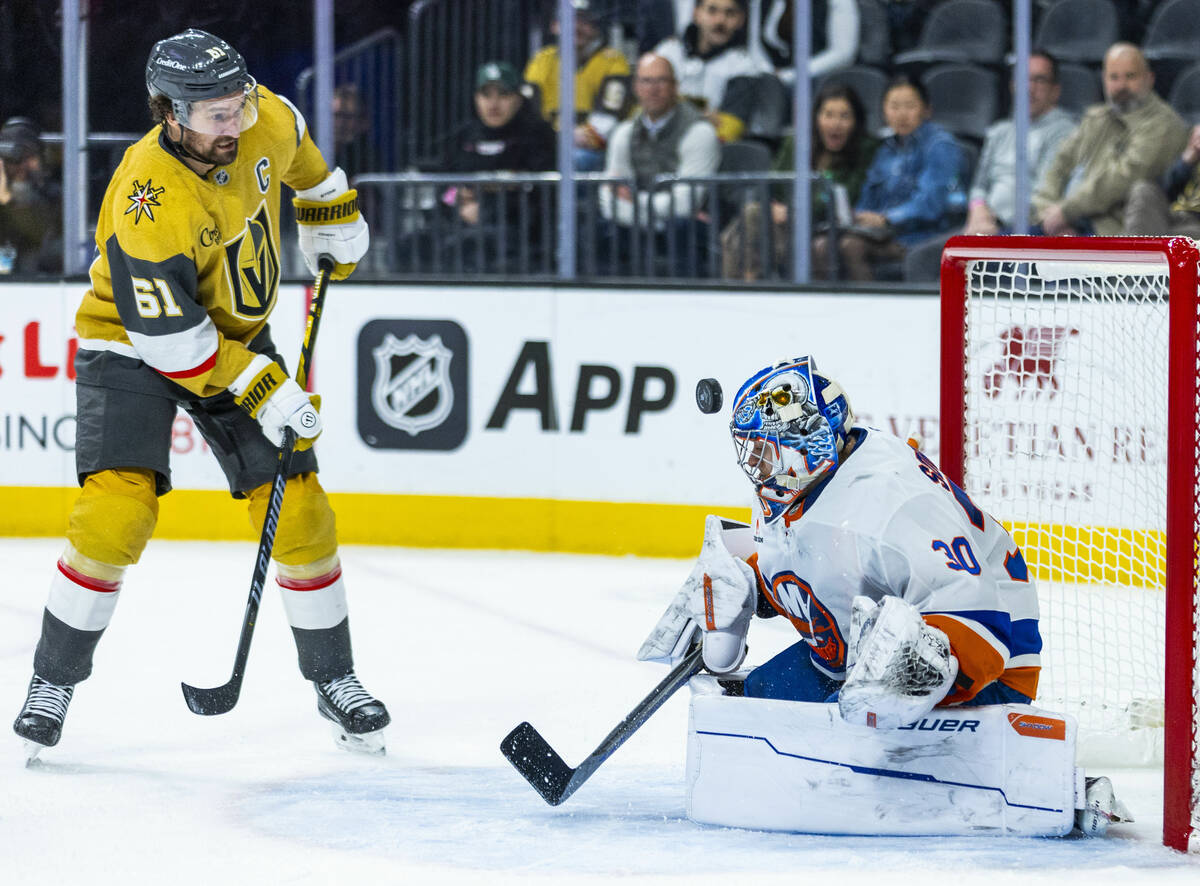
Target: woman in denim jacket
x=913 y=190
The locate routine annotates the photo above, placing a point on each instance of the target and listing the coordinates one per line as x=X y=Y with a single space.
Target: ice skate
x=358 y=717
x=1100 y=808
x=41 y=719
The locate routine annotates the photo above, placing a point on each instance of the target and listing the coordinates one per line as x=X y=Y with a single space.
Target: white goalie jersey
x=888 y=522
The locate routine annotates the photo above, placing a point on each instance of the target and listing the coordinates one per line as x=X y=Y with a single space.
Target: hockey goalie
x=907 y=706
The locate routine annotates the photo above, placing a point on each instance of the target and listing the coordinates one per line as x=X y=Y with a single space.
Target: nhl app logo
x=412 y=384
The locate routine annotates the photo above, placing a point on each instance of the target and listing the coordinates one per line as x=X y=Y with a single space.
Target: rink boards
x=542 y=418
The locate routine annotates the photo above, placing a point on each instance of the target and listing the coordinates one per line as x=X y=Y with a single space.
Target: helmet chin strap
x=181 y=149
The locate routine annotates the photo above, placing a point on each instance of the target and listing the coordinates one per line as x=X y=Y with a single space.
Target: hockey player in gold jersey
x=184 y=280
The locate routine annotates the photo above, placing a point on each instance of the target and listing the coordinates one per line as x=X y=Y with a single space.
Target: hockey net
x=1069 y=410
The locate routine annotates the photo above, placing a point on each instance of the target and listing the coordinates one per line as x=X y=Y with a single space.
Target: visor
x=229 y=115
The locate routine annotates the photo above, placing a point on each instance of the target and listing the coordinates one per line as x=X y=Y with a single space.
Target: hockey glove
x=272 y=398
x=721 y=598
x=897 y=668
x=330 y=224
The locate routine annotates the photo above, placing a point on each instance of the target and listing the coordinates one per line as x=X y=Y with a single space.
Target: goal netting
x=1070 y=399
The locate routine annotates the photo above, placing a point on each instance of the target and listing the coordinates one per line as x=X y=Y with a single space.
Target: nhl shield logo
x=412 y=391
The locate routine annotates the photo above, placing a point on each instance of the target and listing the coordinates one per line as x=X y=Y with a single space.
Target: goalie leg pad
x=307 y=531
x=795 y=766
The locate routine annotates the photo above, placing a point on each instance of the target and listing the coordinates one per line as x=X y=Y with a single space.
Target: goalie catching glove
x=272 y=398
x=330 y=224
x=897 y=668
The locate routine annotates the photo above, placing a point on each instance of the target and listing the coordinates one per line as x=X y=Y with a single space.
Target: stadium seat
x=1172 y=40
x=960 y=31
x=1078 y=30
x=923 y=261
x=745 y=156
x=869 y=83
x=771 y=108
x=875 y=39
x=964 y=98
x=1185 y=94
x=1080 y=87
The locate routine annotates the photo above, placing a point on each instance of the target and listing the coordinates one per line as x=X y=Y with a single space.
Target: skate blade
x=371 y=743
x=32 y=749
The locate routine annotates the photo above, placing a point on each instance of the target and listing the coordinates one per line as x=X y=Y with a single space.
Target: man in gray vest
x=664 y=137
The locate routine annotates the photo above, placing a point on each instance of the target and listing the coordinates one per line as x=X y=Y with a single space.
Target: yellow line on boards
x=422 y=521
x=1055 y=552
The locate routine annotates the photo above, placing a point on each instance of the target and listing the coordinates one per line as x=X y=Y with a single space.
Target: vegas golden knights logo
x=252 y=263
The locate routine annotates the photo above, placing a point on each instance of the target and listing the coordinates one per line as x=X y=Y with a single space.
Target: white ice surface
x=462 y=646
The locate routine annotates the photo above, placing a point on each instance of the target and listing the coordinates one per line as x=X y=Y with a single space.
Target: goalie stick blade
x=538 y=763
x=209 y=702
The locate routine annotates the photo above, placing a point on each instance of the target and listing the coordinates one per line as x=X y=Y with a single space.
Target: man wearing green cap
x=508 y=135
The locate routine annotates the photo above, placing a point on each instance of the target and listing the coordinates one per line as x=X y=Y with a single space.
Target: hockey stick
x=546 y=771
x=221 y=699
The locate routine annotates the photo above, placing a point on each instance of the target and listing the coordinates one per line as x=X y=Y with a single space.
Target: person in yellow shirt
x=602 y=93
x=184 y=279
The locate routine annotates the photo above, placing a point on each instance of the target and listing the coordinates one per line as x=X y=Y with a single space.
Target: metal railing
x=368 y=118
x=503 y=224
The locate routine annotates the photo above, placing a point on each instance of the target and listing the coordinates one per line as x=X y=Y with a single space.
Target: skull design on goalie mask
x=789 y=426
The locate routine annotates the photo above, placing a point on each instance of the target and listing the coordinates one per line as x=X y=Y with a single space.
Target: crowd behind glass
x=682 y=142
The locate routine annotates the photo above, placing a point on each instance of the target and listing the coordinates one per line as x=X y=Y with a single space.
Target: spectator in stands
x=508 y=135
x=664 y=136
x=841 y=152
x=1134 y=135
x=601 y=84
x=351 y=145
x=30 y=205
x=991 y=208
x=912 y=189
x=711 y=52
x=834 y=28
x=1171 y=206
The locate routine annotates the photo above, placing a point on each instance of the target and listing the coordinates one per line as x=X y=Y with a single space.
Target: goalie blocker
x=797 y=766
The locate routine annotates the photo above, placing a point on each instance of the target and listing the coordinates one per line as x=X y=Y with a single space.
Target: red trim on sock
x=86 y=581
x=310 y=584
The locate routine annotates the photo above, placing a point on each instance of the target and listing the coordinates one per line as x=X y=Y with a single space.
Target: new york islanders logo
x=794 y=597
x=143 y=200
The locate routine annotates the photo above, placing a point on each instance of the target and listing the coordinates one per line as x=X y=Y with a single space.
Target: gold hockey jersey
x=188 y=267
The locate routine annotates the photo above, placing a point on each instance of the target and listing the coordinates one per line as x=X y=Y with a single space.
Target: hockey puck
x=708 y=395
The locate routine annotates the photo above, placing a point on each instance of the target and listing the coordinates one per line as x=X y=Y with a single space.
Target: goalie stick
x=548 y=773
x=221 y=699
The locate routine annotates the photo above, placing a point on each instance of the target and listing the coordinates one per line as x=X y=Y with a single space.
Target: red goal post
x=1070 y=400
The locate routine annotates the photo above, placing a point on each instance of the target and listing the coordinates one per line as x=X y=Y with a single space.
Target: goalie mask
x=206 y=79
x=789 y=425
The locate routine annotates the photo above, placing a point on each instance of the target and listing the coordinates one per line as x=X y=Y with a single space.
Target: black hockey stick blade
x=210 y=702
x=547 y=772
